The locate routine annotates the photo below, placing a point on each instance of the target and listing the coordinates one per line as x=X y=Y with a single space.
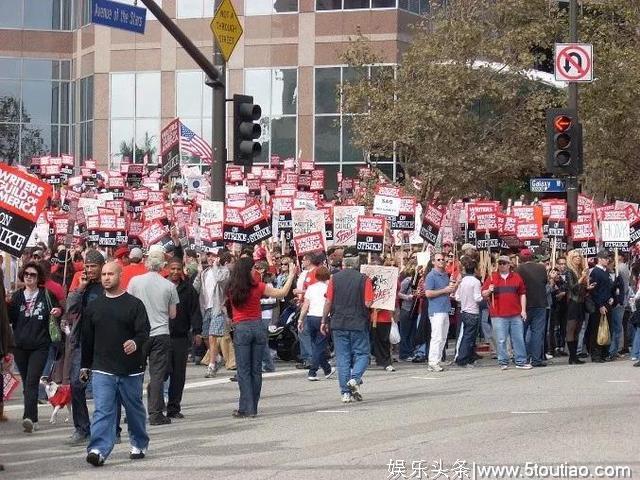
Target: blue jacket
x=603 y=291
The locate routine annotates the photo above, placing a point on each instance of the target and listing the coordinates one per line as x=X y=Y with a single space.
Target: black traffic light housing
x=245 y=130
x=564 y=142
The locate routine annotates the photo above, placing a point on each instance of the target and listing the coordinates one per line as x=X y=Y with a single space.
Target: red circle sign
x=565 y=55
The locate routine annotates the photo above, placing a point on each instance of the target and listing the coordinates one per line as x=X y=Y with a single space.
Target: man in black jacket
x=115 y=329
x=188 y=318
x=602 y=296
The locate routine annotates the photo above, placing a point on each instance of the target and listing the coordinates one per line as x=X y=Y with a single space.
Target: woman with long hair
x=249 y=333
x=577 y=286
x=29 y=312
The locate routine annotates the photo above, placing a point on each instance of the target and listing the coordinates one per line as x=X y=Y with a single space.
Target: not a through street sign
x=119 y=15
x=547 y=185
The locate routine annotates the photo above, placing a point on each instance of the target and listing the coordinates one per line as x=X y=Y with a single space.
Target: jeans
x=47 y=370
x=319 y=344
x=534 y=330
x=407 y=330
x=158 y=351
x=178 y=373
x=635 y=349
x=616 y=329
x=470 y=324
x=352 y=355
x=306 y=348
x=487 y=330
x=30 y=365
x=268 y=364
x=79 y=408
x=439 y=331
x=106 y=389
x=250 y=340
x=503 y=327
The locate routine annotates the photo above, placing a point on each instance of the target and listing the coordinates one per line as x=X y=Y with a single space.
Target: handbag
x=394 y=334
x=603 y=337
x=589 y=305
x=54 y=327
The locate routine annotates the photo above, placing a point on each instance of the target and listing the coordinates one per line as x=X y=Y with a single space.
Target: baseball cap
x=504 y=258
x=135 y=253
x=156 y=248
x=526 y=253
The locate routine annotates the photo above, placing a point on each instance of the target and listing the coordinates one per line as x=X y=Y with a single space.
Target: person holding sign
x=250 y=334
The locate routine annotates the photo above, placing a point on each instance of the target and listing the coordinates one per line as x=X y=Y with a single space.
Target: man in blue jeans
x=534 y=275
x=505 y=293
x=349 y=296
x=114 y=331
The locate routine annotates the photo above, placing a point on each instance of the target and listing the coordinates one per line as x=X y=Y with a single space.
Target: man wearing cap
x=160 y=298
x=602 y=295
x=136 y=267
x=506 y=295
x=89 y=288
x=534 y=275
x=346 y=311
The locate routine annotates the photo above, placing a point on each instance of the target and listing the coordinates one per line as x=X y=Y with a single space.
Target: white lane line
x=539 y=412
x=618 y=381
x=332 y=411
x=427 y=378
x=189 y=386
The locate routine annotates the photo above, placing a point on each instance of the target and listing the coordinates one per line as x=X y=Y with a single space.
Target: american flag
x=193 y=144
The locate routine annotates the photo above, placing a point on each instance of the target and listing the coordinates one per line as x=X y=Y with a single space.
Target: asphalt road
x=583 y=416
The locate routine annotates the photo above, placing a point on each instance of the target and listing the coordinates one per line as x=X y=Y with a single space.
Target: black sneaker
x=233 y=379
x=175 y=415
x=159 y=420
x=136 y=453
x=95 y=458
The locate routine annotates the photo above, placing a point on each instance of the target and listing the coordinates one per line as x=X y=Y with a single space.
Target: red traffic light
x=562 y=123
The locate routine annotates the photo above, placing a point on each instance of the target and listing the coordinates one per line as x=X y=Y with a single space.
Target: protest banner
x=385 y=285
x=233 y=228
x=170 y=150
x=431 y=222
x=257 y=227
x=406 y=218
x=307 y=221
x=584 y=238
x=308 y=243
x=22 y=199
x=615 y=234
x=345 y=224
x=370 y=234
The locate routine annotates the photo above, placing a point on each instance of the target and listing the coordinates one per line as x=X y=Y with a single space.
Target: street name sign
x=226 y=28
x=547 y=185
x=118 y=15
x=574 y=62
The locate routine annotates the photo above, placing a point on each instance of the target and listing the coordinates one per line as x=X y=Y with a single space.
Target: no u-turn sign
x=574 y=62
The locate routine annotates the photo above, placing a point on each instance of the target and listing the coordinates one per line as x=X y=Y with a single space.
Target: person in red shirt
x=249 y=333
x=135 y=268
x=506 y=294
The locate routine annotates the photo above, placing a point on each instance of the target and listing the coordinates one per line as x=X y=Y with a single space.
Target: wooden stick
x=615 y=253
x=282 y=242
x=554 y=247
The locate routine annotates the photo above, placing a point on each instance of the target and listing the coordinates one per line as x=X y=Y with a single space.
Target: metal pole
x=572 y=181
x=219 y=128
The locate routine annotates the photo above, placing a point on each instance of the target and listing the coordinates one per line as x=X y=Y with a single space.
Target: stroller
x=283 y=337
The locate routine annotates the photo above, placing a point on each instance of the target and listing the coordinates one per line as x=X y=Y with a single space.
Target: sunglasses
x=438 y=260
x=284 y=264
x=502 y=262
x=36 y=256
x=30 y=274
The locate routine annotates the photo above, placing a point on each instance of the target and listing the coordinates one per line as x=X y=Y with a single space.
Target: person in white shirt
x=311 y=315
x=469 y=295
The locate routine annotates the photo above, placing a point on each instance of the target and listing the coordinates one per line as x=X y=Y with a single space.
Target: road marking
x=539 y=412
x=427 y=378
x=618 y=381
x=189 y=386
x=332 y=411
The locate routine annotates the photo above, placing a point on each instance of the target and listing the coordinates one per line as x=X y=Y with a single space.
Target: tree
x=462 y=113
x=148 y=148
x=32 y=141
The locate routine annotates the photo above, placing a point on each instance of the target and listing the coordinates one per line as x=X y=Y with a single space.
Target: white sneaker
x=504 y=367
x=634 y=359
x=346 y=398
x=389 y=368
x=548 y=356
x=212 y=371
x=29 y=425
x=525 y=366
x=312 y=379
x=435 y=368
x=331 y=373
x=137 y=453
x=355 y=389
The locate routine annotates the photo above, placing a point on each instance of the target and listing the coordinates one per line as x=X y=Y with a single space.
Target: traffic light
x=245 y=130
x=564 y=142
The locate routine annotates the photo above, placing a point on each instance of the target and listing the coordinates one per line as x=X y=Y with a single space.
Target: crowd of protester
x=122 y=312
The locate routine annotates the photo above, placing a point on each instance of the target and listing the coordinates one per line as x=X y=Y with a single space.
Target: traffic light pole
x=219 y=127
x=572 y=181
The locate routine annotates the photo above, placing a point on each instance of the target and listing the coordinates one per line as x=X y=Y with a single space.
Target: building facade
x=69 y=86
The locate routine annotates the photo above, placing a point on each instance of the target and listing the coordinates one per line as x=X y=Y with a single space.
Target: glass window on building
x=276 y=91
x=195 y=8
x=419 y=7
x=354 y=4
x=333 y=130
x=269 y=7
x=135 y=116
x=35 y=108
x=193 y=106
x=36 y=14
x=85 y=121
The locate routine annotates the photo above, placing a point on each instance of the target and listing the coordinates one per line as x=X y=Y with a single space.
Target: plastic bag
x=603 y=337
x=394 y=334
